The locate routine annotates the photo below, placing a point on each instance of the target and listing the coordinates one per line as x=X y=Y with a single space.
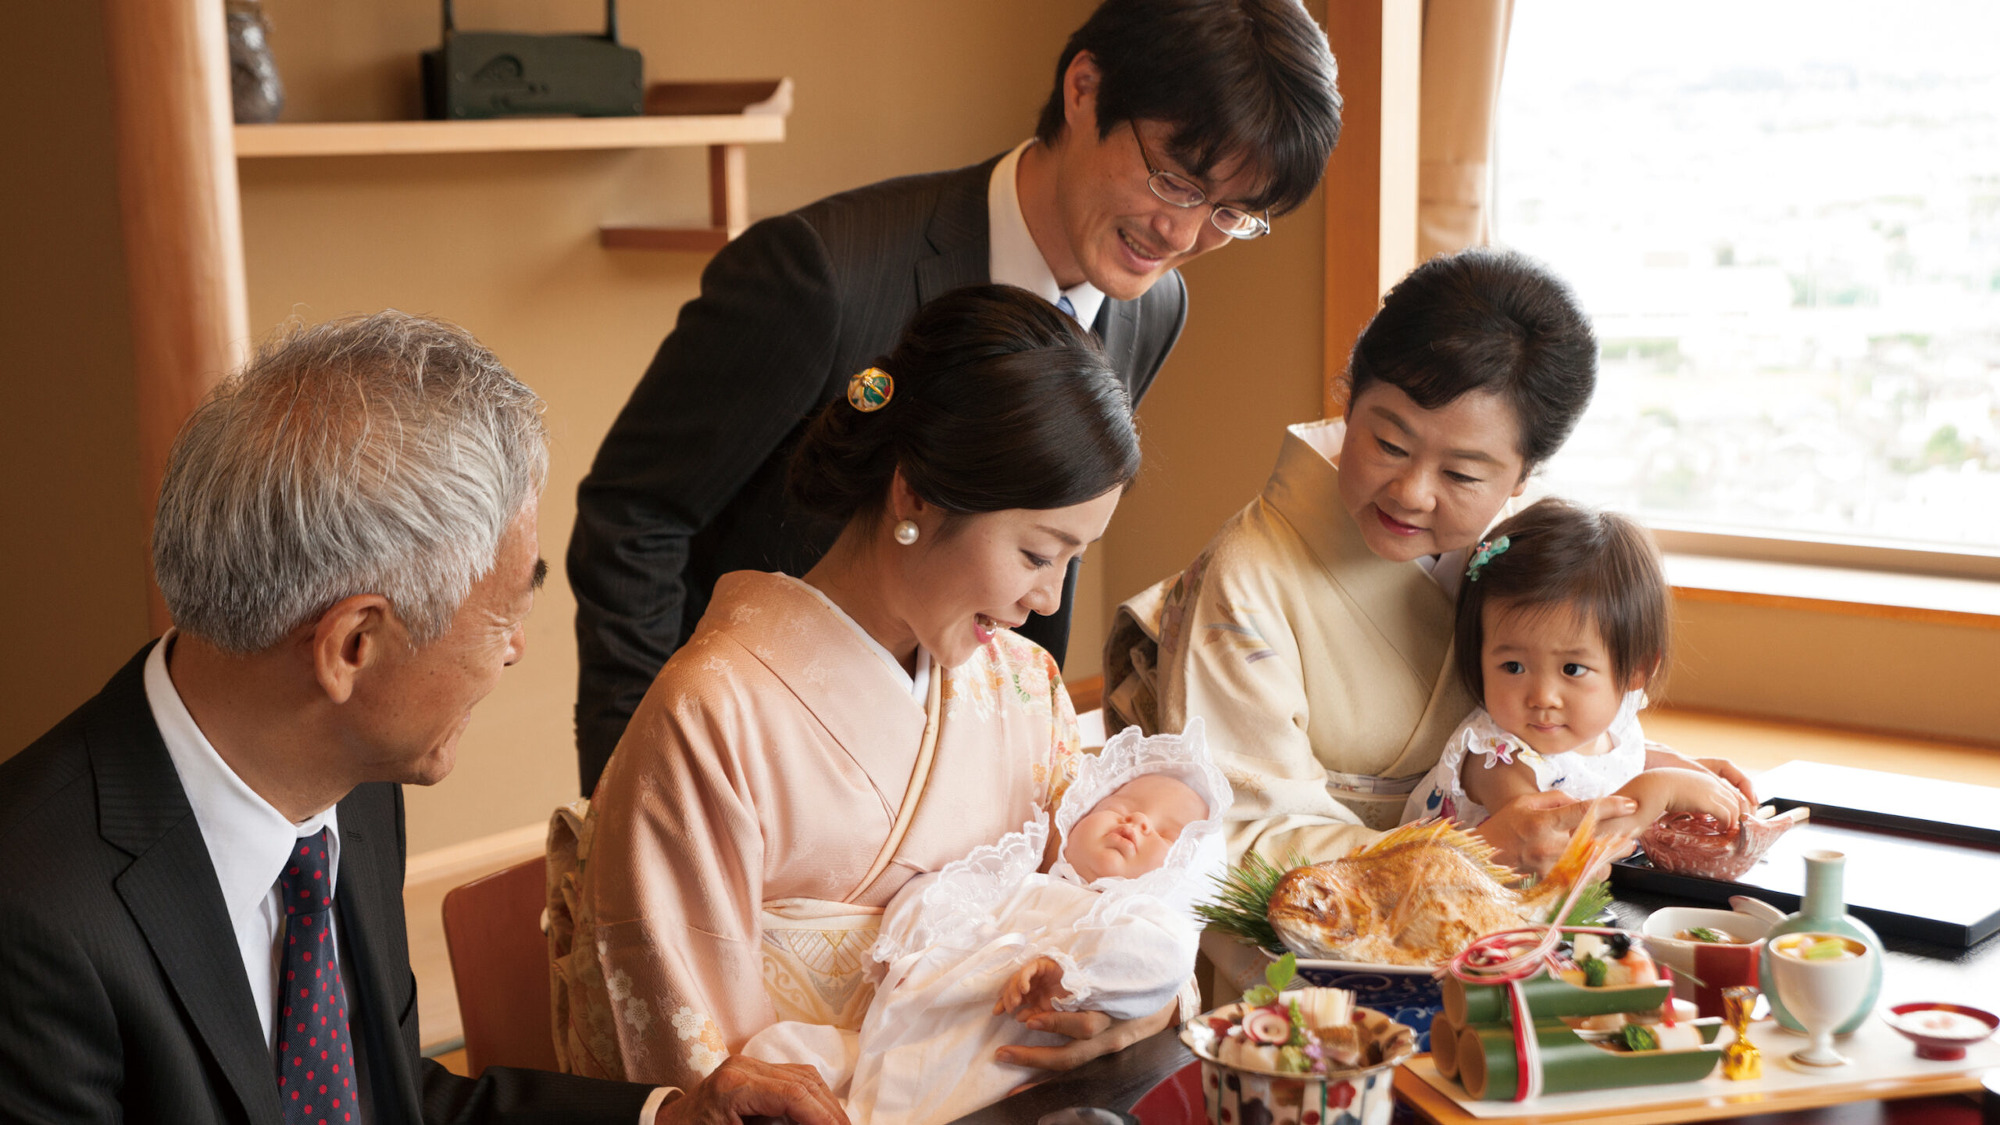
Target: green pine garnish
x=1241 y=904
x=1594 y=972
x=1590 y=905
x=1703 y=933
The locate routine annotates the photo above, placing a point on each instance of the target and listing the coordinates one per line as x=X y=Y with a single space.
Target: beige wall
x=72 y=555
x=506 y=244
x=1868 y=672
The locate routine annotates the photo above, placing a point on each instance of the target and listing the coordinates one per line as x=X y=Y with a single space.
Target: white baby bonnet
x=1186 y=876
x=1127 y=757
x=958 y=904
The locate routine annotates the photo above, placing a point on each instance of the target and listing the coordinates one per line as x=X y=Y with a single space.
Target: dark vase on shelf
x=255 y=91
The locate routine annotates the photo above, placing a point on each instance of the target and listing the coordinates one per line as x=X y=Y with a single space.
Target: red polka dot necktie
x=315 y=1064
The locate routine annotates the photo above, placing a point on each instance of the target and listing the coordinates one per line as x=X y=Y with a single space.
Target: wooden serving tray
x=1885 y=1067
x=1923 y=857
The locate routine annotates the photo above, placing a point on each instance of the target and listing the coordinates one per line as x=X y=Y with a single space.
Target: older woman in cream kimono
x=1314 y=633
x=821 y=740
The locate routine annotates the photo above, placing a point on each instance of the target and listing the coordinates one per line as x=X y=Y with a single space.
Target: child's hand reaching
x=1032 y=990
x=1661 y=791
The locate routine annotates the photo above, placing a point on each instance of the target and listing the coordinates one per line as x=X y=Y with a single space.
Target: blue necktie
x=315 y=1063
x=1062 y=302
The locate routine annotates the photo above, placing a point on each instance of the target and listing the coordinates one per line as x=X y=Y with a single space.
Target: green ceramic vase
x=1823 y=911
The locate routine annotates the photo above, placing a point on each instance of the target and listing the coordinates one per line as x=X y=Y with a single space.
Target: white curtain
x=1465 y=43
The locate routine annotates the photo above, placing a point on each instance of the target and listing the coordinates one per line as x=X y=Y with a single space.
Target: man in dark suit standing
x=1174 y=126
x=201 y=914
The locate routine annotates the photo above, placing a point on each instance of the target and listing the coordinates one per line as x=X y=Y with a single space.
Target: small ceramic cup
x=1822 y=979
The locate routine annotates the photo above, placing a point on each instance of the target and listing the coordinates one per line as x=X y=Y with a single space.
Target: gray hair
x=382 y=454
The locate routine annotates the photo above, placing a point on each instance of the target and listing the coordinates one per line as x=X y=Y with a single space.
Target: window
x=1785 y=219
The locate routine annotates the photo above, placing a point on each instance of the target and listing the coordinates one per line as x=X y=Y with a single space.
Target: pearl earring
x=906 y=532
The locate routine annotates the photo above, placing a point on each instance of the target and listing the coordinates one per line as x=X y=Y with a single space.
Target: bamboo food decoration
x=1503 y=1034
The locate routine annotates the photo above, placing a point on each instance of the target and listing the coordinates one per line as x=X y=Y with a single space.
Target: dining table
x=1157 y=1080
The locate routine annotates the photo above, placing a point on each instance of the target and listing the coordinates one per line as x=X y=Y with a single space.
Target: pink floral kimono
x=776 y=788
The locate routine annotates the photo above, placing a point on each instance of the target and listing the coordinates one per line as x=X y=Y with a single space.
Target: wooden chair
x=1086 y=694
x=500 y=967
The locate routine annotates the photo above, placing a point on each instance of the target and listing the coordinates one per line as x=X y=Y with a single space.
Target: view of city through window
x=1784 y=218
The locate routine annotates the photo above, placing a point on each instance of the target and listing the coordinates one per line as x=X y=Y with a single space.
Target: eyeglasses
x=1179 y=191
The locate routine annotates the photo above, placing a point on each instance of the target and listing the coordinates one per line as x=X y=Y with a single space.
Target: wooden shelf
x=719 y=116
x=540 y=134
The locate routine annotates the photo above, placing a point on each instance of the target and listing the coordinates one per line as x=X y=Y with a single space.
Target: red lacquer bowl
x=1940 y=1044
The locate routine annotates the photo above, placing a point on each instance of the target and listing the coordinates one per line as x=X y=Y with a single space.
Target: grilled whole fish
x=1417 y=895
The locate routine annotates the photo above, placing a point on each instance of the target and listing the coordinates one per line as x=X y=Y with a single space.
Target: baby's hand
x=1033 y=989
x=1661 y=791
x=1727 y=771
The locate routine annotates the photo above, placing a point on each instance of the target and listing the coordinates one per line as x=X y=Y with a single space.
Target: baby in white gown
x=969 y=952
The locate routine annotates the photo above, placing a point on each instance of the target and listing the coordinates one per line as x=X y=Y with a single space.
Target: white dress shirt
x=249 y=842
x=1012 y=258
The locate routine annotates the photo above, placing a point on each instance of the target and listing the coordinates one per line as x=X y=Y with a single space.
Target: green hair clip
x=1486 y=553
x=870 y=390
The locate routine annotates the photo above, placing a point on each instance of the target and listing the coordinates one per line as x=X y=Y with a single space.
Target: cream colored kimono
x=1323 y=671
x=731 y=871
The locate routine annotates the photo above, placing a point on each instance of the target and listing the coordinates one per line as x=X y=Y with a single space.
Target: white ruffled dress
x=1479 y=742
x=950 y=941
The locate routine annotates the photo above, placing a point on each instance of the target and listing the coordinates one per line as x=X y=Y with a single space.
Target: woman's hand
x=1090 y=1033
x=1530 y=832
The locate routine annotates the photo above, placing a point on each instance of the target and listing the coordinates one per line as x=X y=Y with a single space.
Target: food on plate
x=1416 y=896
x=1818 y=947
x=1942 y=1023
x=1695 y=843
x=1710 y=936
x=1675 y=1011
x=1610 y=961
x=1661 y=1037
x=1303 y=1031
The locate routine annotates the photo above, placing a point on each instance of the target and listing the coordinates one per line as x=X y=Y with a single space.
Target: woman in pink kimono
x=819 y=741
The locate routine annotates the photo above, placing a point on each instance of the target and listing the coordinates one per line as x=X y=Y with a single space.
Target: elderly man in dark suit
x=201 y=913
x=1174 y=126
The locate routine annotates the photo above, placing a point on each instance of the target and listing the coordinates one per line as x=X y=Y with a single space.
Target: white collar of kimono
x=918 y=685
x=1012 y=258
x=1448 y=569
x=1128 y=755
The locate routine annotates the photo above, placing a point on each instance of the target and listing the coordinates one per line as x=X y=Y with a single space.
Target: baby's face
x=1130 y=832
x=1548 y=678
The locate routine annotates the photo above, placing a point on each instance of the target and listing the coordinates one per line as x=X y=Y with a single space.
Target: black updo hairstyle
x=1600 y=564
x=1001 y=401
x=1484 y=320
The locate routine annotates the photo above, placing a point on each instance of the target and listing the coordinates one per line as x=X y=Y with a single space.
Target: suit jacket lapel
x=1118 y=327
x=370 y=902
x=170 y=887
x=957 y=232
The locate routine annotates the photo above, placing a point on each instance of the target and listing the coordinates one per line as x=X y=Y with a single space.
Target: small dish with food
x=1941 y=1031
x=1708 y=950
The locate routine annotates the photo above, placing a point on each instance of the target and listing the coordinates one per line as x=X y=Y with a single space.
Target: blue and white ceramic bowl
x=1407 y=994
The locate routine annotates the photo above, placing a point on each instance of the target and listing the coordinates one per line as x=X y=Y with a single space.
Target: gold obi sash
x=817 y=963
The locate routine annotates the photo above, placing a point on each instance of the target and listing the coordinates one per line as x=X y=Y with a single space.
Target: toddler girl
x=969 y=956
x=1562 y=626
